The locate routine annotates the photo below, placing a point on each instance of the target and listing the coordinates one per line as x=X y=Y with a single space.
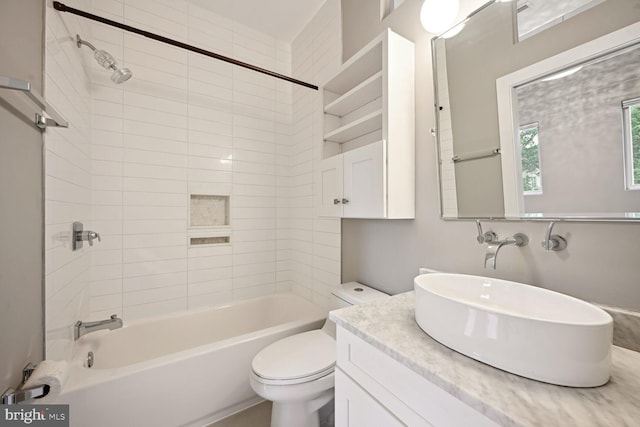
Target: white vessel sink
x=522 y=329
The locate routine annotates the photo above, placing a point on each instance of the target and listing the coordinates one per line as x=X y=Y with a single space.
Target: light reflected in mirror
x=502 y=157
x=534 y=16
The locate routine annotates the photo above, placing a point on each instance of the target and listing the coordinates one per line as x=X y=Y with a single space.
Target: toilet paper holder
x=12 y=396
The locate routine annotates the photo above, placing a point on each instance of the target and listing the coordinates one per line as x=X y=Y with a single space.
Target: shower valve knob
x=80 y=235
x=91 y=236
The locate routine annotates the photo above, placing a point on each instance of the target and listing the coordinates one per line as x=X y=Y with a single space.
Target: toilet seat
x=296 y=359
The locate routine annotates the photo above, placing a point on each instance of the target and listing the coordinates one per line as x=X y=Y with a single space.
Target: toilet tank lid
x=357 y=293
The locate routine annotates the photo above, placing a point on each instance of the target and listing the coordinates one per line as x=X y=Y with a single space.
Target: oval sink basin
x=522 y=329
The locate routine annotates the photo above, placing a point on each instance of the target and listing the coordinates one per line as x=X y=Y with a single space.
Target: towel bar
x=41 y=122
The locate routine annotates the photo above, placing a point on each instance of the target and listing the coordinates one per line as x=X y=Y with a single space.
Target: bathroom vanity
x=389 y=372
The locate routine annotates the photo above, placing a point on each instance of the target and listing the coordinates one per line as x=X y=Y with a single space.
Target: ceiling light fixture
x=437 y=16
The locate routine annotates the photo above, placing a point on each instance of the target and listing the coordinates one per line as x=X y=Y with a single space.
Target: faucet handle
x=487 y=237
x=553 y=242
x=91 y=236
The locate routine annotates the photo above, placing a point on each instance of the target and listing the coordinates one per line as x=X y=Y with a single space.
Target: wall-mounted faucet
x=495 y=244
x=491 y=256
x=83 y=328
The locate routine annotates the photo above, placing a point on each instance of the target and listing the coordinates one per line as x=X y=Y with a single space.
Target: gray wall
x=21 y=211
x=601 y=263
x=580 y=136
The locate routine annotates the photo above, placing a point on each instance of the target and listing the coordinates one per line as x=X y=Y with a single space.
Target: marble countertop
x=389 y=325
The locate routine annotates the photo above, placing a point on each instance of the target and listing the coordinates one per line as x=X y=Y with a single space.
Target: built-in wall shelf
x=368 y=170
x=366 y=92
x=209 y=220
x=362 y=126
x=356 y=69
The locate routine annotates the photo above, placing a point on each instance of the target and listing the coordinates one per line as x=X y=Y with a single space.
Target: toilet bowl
x=297 y=373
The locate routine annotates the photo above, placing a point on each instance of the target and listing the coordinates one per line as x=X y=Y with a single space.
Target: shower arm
x=80 y=42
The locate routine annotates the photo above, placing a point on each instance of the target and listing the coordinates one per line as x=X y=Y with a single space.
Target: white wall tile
x=153 y=281
x=154 y=295
x=137 y=269
x=149 y=310
x=210 y=300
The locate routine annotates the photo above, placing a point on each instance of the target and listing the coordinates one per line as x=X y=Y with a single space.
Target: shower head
x=104 y=58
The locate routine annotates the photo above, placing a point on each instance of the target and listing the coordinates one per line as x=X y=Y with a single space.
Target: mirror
x=534 y=16
x=535 y=127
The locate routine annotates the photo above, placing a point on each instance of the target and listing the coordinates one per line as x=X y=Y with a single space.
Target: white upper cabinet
x=353 y=183
x=368 y=169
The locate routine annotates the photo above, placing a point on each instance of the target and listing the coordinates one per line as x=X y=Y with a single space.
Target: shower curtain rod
x=61 y=7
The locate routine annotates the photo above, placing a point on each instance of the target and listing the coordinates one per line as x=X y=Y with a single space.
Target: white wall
x=600 y=263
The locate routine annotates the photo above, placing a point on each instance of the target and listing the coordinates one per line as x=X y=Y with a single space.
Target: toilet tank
x=353 y=293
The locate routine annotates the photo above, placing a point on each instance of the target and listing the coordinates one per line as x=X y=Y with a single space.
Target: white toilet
x=297 y=373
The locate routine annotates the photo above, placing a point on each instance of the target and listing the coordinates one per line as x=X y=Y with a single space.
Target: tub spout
x=83 y=328
x=493 y=248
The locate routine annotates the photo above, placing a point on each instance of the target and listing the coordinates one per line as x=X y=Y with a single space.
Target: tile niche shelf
x=209 y=220
x=368 y=167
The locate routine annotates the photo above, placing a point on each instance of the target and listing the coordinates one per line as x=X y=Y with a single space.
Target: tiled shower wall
x=187 y=124
x=184 y=124
x=315 y=241
x=67 y=163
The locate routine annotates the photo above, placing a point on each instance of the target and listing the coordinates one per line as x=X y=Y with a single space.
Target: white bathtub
x=182 y=370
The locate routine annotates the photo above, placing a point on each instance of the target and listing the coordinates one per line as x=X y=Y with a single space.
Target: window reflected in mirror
x=530 y=155
x=534 y=16
x=631 y=120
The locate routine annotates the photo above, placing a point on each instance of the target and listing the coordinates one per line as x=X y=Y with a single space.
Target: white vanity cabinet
x=373 y=389
x=368 y=166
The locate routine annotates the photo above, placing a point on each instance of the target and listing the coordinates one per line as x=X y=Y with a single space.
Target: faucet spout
x=83 y=328
x=493 y=248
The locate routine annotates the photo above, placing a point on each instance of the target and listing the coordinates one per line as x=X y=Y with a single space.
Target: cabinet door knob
x=345 y=201
x=336 y=201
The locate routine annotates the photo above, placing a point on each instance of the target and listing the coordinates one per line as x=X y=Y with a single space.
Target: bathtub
x=190 y=369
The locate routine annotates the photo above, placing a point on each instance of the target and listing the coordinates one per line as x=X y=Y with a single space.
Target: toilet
x=297 y=373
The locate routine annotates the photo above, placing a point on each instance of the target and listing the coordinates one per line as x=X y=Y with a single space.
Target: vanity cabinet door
x=357 y=408
x=392 y=386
